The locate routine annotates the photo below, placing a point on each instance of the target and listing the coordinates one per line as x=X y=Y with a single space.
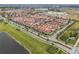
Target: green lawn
x=35 y=46
x=71 y=32
x=75 y=26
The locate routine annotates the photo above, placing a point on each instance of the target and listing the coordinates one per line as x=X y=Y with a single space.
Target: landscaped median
x=35 y=46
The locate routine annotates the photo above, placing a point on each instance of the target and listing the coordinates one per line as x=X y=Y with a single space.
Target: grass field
x=75 y=26
x=71 y=32
x=35 y=46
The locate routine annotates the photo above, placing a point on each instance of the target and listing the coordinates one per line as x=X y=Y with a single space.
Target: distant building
x=41 y=9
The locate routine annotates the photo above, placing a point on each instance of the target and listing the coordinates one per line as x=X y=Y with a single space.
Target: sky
x=39 y=5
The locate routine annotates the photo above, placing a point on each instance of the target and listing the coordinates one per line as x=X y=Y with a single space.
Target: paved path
x=75 y=49
x=77 y=42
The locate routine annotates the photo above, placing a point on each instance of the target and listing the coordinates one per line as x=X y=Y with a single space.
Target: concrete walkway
x=77 y=42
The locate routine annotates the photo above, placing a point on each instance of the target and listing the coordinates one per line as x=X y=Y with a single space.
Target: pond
x=9 y=46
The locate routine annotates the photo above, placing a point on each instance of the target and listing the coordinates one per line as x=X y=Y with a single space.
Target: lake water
x=9 y=46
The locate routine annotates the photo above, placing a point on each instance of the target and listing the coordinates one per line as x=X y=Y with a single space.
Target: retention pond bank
x=9 y=46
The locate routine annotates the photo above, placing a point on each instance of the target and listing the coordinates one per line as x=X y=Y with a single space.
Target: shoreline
x=29 y=52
